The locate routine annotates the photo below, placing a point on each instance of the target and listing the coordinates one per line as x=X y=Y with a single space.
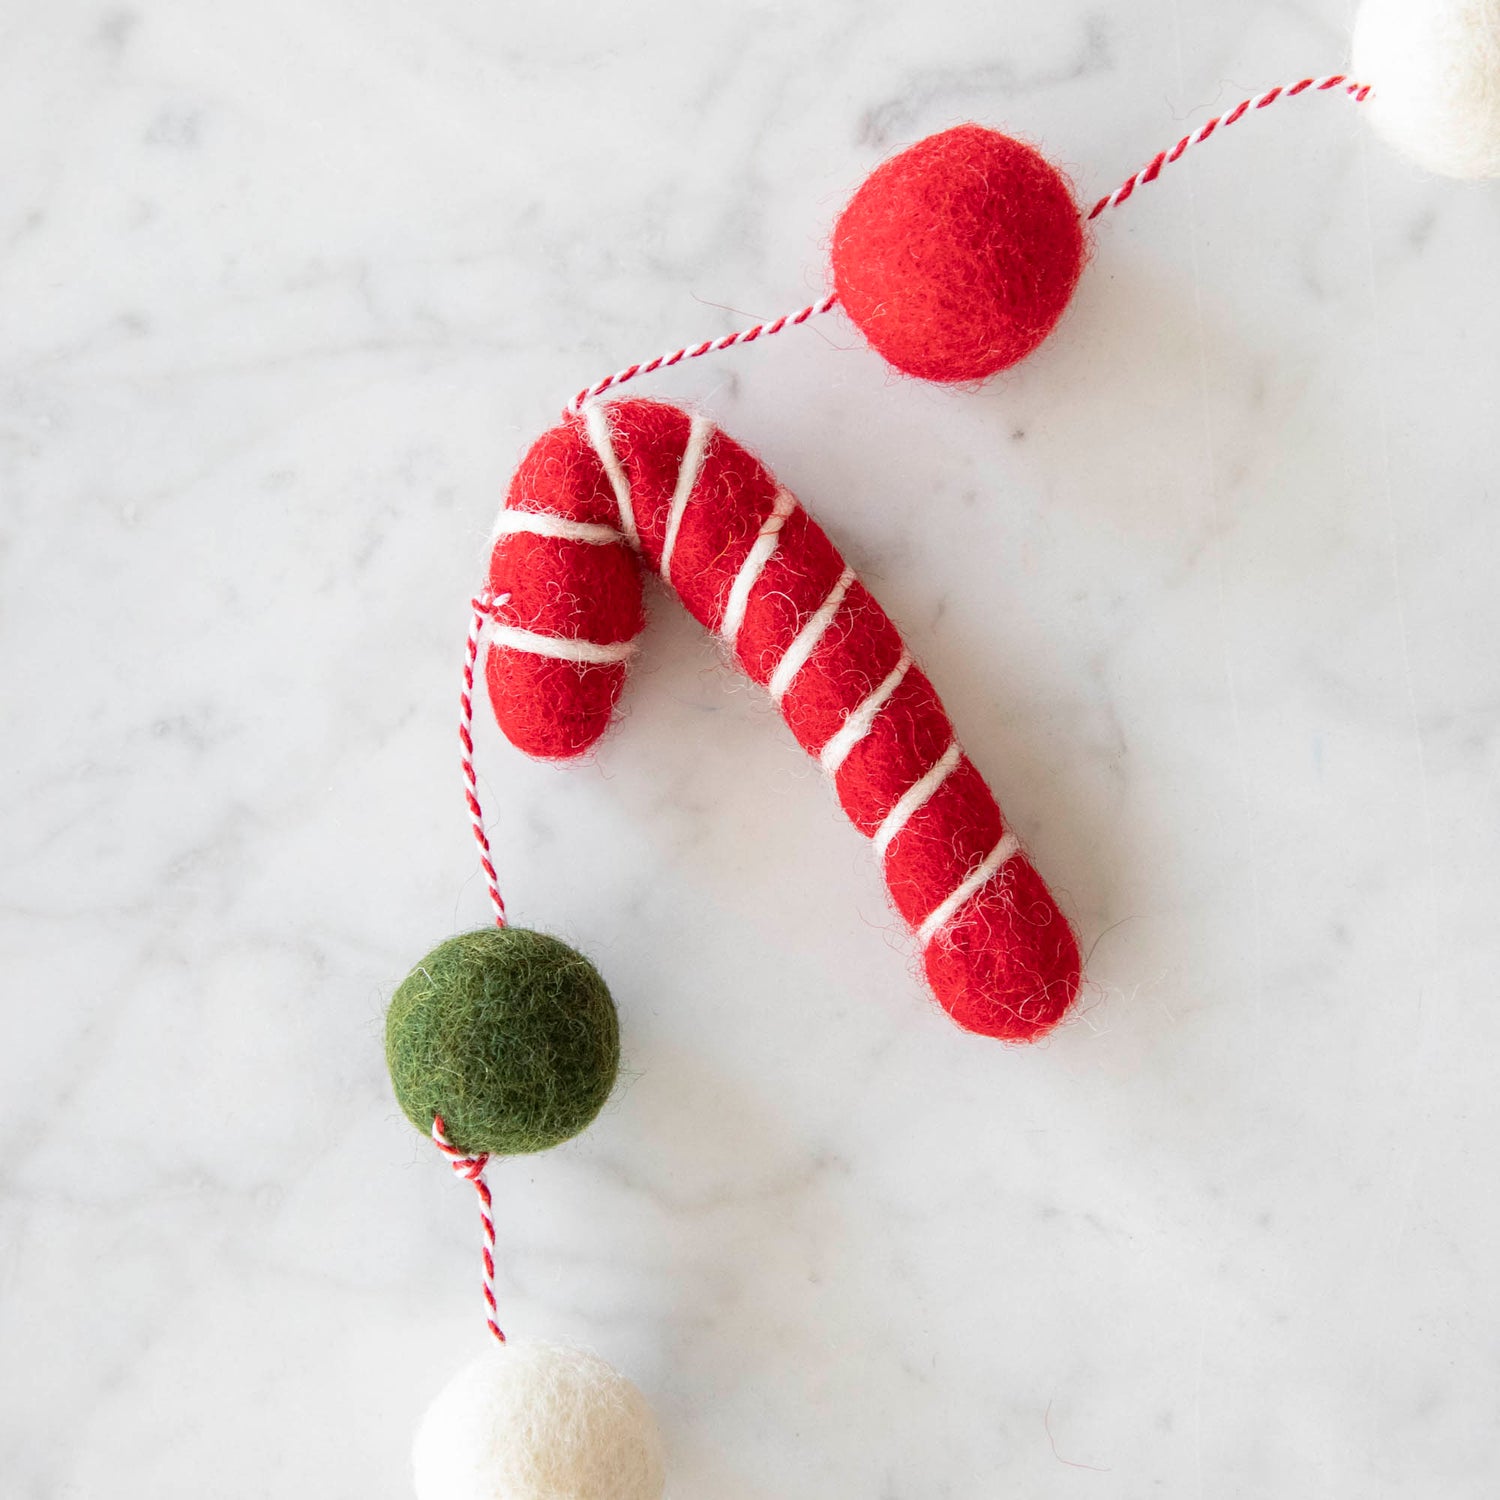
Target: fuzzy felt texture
x=649 y=436
x=567 y=588
x=907 y=738
x=943 y=840
x=562 y=476
x=1434 y=66
x=851 y=661
x=731 y=497
x=550 y=708
x=956 y=258
x=740 y=537
x=792 y=584
x=510 y=1035
x=535 y=1421
x=1007 y=966
x=554 y=710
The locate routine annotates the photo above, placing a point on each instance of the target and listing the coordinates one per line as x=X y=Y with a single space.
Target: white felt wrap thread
x=979 y=877
x=699 y=433
x=596 y=423
x=806 y=639
x=562 y=647
x=754 y=565
x=862 y=720
x=544 y=523
x=915 y=796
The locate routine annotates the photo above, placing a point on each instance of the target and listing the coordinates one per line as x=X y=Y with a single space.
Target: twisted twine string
x=1358 y=92
x=482 y=606
x=472 y=1169
x=708 y=346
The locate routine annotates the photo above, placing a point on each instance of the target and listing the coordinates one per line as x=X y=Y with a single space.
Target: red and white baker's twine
x=708 y=346
x=472 y=1168
x=481 y=608
x=464 y=1165
x=1359 y=92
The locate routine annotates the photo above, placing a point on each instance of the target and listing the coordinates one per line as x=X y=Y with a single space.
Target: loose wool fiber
x=956 y=258
x=509 y=1035
x=1434 y=68
x=534 y=1421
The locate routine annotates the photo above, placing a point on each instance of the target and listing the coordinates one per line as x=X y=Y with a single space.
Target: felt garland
x=954 y=259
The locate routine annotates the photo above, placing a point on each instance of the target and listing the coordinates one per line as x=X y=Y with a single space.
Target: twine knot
x=471 y=1168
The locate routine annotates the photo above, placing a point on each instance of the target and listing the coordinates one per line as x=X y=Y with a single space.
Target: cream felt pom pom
x=1434 y=66
x=535 y=1421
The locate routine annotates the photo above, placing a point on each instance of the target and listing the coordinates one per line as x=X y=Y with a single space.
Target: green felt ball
x=509 y=1035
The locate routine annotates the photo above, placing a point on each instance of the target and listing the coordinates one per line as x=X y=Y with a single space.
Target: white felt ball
x=532 y=1421
x=1434 y=66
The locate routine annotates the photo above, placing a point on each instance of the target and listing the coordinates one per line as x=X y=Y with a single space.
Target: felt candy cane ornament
x=641 y=480
x=954 y=259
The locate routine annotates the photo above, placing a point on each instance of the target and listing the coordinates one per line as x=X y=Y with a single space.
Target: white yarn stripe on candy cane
x=596 y=424
x=544 y=523
x=806 y=640
x=915 y=796
x=754 y=565
x=562 y=647
x=862 y=720
x=698 y=437
x=967 y=888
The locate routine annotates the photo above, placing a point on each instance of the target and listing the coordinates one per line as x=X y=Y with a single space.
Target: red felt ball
x=956 y=258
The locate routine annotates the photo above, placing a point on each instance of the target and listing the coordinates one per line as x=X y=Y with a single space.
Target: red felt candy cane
x=640 y=481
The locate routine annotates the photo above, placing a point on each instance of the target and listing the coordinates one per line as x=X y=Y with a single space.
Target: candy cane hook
x=630 y=484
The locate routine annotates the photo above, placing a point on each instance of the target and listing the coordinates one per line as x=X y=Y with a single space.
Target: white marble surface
x=1208 y=585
